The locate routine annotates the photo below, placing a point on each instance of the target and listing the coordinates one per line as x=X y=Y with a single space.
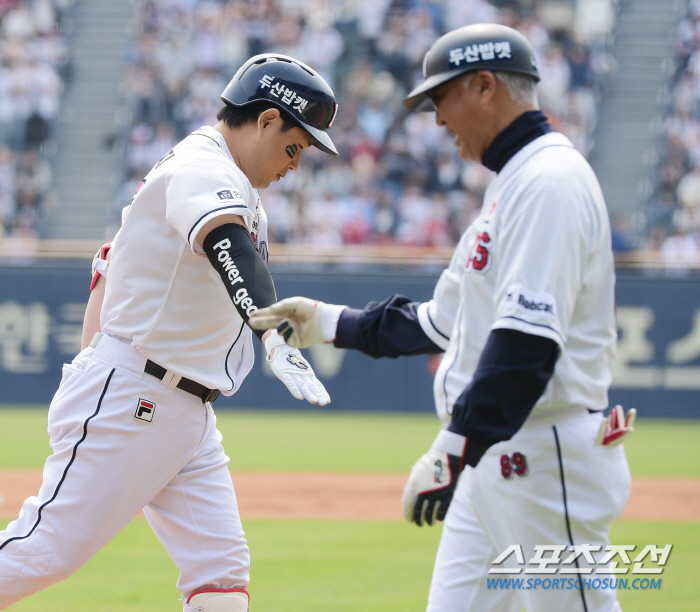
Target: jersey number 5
x=479 y=256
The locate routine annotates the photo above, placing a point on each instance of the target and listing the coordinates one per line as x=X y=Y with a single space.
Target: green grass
x=351 y=442
x=679 y=587
x=297 y=566
x=24 y=442
x=309 y=566
x=269 y=441
x=664 y=448
x=315 y=566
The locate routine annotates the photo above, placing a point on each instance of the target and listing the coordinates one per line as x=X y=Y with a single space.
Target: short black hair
x=236 y=116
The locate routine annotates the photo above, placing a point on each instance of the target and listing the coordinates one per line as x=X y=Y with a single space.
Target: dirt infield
x=364 y=496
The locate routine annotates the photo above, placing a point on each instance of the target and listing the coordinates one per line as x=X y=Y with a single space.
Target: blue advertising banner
x=657 y=370
x=658 y=353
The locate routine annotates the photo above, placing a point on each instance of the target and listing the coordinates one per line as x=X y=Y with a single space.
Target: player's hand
x=300 y=321
x=616 y=426
x=431 y=484
x=294 y=371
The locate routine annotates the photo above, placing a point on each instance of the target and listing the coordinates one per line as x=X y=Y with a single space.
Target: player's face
x=458 y=107
x=280 y=153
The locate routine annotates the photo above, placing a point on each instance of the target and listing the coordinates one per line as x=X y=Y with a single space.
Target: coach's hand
x=433 y=479
x=294 y=371
x=300 y=321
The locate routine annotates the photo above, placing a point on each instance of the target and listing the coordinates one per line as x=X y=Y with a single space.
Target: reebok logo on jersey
x=145 y=410
x=520 y=300
x=229 y=194
x=241 y=297
x=525 y=303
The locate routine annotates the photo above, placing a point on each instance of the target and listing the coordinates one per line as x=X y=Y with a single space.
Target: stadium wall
x=658 y=366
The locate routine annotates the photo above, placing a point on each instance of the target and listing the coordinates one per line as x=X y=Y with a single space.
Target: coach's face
x=276 y=152
x=465 y=107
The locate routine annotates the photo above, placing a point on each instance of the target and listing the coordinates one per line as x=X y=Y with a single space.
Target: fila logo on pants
x=145 y=410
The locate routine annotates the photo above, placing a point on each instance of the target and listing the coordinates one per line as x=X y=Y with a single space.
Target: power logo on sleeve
x=241 y=296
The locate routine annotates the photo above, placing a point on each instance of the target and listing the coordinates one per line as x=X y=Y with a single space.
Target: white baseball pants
x=110 y=461
x=570 y=494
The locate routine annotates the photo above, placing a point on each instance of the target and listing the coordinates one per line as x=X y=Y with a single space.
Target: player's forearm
x=384 y=329
x=100 y=267
x=243 y=272
x=91 y=321
x=513 y=372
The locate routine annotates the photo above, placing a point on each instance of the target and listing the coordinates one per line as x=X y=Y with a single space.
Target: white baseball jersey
x=163 y=296
x=538 y=260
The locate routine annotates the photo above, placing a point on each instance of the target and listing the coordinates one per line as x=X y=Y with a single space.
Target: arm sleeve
x=384 y=329
x=513 y=372
x=243 y=272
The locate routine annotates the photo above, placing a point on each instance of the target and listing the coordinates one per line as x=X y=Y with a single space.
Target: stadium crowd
x=34 y=65
x=398 y=179
x=674 y=210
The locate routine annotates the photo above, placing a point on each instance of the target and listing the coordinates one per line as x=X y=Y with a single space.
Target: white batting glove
x=431 y=484
x=301 y=321
x=294 y=371
x=616 y=426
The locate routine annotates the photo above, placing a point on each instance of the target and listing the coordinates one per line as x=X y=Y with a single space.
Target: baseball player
x=131 y=425
x=525 y=316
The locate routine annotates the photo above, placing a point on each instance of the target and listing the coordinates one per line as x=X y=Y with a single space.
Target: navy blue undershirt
x=521 y=132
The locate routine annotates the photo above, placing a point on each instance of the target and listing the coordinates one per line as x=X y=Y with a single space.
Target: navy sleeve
x=384 y=329
x=513 y=371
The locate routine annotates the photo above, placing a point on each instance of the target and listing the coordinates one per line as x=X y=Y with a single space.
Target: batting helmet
x=291 y=86
x=482 y=46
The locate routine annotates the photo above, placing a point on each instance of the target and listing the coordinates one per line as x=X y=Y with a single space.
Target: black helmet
x=291 y=86
x=481 y=46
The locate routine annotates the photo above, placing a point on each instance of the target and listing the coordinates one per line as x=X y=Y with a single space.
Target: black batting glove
x=433 y=479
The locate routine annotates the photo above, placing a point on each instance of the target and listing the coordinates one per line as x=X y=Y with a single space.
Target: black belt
x=191 y=386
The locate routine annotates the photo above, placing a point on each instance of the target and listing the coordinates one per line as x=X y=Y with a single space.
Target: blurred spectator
x=399 y=179
x=34 y=61
x=680 y=251
x=674 y=208
x=621 y=241
x=688 y=190
x=593 y=21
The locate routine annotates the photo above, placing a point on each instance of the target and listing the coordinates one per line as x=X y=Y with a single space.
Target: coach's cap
x=291 y=86
x=481 y=46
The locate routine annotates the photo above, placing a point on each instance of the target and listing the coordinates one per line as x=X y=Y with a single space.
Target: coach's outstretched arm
x=390 y=328
x=249 y=283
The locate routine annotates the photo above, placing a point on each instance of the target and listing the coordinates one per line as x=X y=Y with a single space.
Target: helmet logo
x=481 y=52
x=288 y=96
